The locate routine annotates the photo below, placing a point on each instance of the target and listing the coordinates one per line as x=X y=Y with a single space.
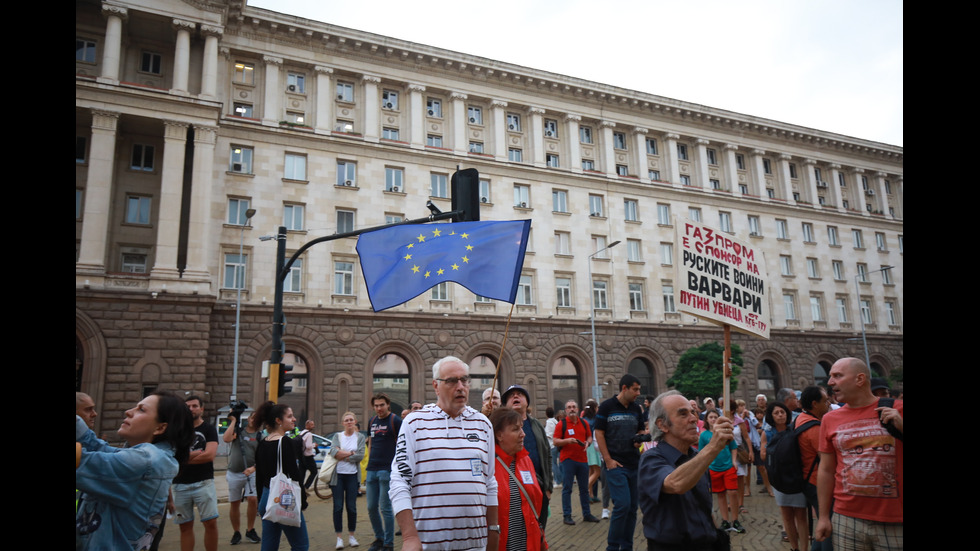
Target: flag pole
x=500 y=356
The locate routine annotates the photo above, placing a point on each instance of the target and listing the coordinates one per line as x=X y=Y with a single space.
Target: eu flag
x=401 y=262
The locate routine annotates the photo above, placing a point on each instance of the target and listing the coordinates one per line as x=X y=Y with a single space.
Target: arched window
x=877 y=370
x=482 y=369
x=644 y=372
x=391 y=377
x=565 y=383
x=821 y=372
x=765 y=374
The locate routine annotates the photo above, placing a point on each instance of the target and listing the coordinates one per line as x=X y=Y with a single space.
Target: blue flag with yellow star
x=402 y=262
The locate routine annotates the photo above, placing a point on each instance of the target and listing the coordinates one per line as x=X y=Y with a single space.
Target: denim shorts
x=199 y=494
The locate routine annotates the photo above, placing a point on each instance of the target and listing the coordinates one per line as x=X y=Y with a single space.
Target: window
x=816 y=308
x=345 y=221
x=295 y=167
x=552 y=160
x=634 y=251
x=767 y=166
x=562 y=242
x=599 y=294
x=668 y=292
x=789 y=305
x=550 y=128
x=821 y=200
x=619 y=140
x=80 y=149
x=812 y=269
x=841 y=180
x=712 y=157
x=138 y=210
x=667 y=254
x=441 y=291
x=296 y=117
x=743 y=189
x=595 y=205
x=653 y=174
x=785 y=265
x=754 y=230
x=886 y=275
x=858 y=239
x=841 y=309
x=838 y=267
x=513 y=122
x=685 y=180
x=622 y=170
x=150 y=62
x=345 y=92
x=235 y=266
x=78 y=203
x=901 y=244
x=636 y=296
x=559 y=200
x=563 y=285
x=880 y=241
x=241 y=160
x=294 y=280
x=715 y=184
x=84 y=50
x=296 y=82
x=599 y=246
x=782 y=230
x=483 y=299
x=475 y=115
x=866 y=311
x=864 y=183
x=390 y=134
x=244 y=73
x=292 y=217
x=344 y=126
x=389 y=100
x=832 y=237
x=433 y=140
x=807 y=232
x=588 y=164
x=393 y=179
x=439 y=185
x=770 y=193
x=485 y=196
x=524 y=294
x=142 y=158
x=725 y=221
x=740 y=161
x=522 y=196
x=134 y=262
x=346 y=173
x=585 y=134
x=236 y=211
x=862 y=270
x=515 y=155
x=343 y=277
x=682 y=152
x=891 y=313
x=694 y=213
x=792 y=170
x=476 y=147
x=796 y=196
x=846 y=204
x=433 y=107
x=651 y=146
x=630 y=210
x=663 y=214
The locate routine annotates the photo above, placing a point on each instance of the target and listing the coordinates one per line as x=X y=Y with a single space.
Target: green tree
x=699 y=371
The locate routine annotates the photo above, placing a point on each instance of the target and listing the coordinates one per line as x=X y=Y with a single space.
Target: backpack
x=783 y=461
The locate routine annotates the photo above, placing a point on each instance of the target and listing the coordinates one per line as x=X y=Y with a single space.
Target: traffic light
x=285 y=377
x=466 y=195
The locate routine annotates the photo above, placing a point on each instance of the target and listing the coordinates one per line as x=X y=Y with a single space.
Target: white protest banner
x=722 y=279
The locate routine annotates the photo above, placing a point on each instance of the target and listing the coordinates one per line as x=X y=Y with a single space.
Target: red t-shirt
x=869 y=482
x=580 y=431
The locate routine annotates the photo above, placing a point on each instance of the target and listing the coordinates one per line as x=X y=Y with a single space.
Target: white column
x=199 y=247
x=898 y=188
x=731 y=170
x=182 y=55
x=837 y=197
x=323 y=119
x=758 y=186
x=209 y=67
x=372 y=108
x=785 y=179
x=640 y=158
x=810 y=181
x=862 y=205
x=701 y=166
x=608 y=155
x=671 y=168
x=98 y=193
x=879 y=187
x=499 y=109
x=271 y=110
x=535 y=122
x=572 y=139
x=171 y=184
x=416 y=115
x=112 y=45
x=458 y=138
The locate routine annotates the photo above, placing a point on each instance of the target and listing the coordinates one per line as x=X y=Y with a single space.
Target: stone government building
x=190 y=112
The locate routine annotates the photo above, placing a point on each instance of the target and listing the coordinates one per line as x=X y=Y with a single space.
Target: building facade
x=190 y=113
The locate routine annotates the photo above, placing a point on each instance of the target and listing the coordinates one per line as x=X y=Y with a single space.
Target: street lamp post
x=238 y=304
x=595 y=358
x=864 y=336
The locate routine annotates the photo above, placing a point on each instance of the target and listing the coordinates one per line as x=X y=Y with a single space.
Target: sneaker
x=252 y=536
x=725 y=525
x=569 y=521
x=236 y=539
x=340 y=543
x=377 y=545
x=737 y=527
x=594 y=500
x=591 y=518
x=605 y=513
x=352 y=542
x=742 y=510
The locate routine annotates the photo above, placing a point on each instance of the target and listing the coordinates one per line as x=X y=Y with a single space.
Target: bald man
x=85 y=408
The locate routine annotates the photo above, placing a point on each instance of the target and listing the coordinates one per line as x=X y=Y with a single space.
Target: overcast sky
x=833 y=65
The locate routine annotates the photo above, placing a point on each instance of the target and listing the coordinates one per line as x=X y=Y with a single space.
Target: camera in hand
x=237 y=409
x=641 y=438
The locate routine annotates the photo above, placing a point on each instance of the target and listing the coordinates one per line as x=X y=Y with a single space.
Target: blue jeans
x=573 y=470
x=272 y=532
x=622 y=524
x=345 y=492
x=379 y=506
x=556 y=465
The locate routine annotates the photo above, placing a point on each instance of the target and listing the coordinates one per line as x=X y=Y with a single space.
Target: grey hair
x=783 y=394
x=448 y=359
x=659 y=413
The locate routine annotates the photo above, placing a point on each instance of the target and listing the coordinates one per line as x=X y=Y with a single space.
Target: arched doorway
x=766 y=379
x=643 y=370
x=390 y=376
x=821 y=373
x=566 y=382
x=482 y=370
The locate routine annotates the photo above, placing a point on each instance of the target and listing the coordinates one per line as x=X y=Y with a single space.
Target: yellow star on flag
x=469 y=247
x=436 y=233
x=440 y=271
x=464 y=235
x=408 y=257
x=466 y=259
x=415 y=269
x=426 y=274
x=455 y=266
x=421 y=238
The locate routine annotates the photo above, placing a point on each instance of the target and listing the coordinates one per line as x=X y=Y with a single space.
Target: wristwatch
x=494 y=528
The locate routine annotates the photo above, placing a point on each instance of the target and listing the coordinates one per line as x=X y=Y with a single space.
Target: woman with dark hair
x=124 y=490
x=278 y=420
x=792 y=507
x=519 y=497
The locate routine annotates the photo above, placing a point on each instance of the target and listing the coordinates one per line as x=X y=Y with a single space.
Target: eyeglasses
x=453 y=381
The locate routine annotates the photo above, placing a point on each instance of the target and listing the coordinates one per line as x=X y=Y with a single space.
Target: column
x=672 y=170
x=209 y=68
x=862 y=198
x=458 y=139
x=731 y=170
x=758 y=185
x=810 y=181
x=271 y=111
x=572 y=139
x=836 y=196
x=640 y=159
x=608 y=156
x=98 y=193
x=372 y=108
x=898 y=189
x=416 y=115
x=786 y=180
x=499 y=109
x=535 y=117
x=879 y=187
x=324 y=118
x=171 y=184
x=182 y=56
x=199 y=246
x=701 y=166
x=112 y=45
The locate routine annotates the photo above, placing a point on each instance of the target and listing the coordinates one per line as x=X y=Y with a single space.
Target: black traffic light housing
x=285 y=377
x=466 y=195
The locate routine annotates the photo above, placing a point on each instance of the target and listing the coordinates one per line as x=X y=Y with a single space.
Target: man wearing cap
x=536 y=444
x=879 y=387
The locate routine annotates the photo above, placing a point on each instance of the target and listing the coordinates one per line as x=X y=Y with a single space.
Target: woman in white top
x=348 y=448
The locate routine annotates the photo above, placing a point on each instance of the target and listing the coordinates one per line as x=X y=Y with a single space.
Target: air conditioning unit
x=236 y=167
x=869 y=192
x=512 y=127
x=340 y=97
x=472 y=120
x=549 y=133
x=394 y=188
x=868 y=207
x=291 y=87
x=484 y=199
x=822 y=184
x=348 y=183
x=523 y=204
x=431 y=112
x=389 y=105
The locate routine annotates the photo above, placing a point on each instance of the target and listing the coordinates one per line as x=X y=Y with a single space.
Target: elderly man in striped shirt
x=442 y=487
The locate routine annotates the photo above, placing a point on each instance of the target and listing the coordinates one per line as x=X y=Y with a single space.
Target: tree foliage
x=699 y=370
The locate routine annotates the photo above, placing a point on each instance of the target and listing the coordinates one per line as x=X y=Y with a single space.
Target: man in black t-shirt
x=194 y=484
x=384 y=429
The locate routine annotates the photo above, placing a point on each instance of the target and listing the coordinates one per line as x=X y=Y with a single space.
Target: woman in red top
x=513 y=470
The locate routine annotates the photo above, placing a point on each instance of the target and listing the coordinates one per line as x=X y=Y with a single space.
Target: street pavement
x=762 y=524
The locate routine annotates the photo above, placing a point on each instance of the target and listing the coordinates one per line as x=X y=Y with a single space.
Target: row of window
x=866 y=306
x=813 y=270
